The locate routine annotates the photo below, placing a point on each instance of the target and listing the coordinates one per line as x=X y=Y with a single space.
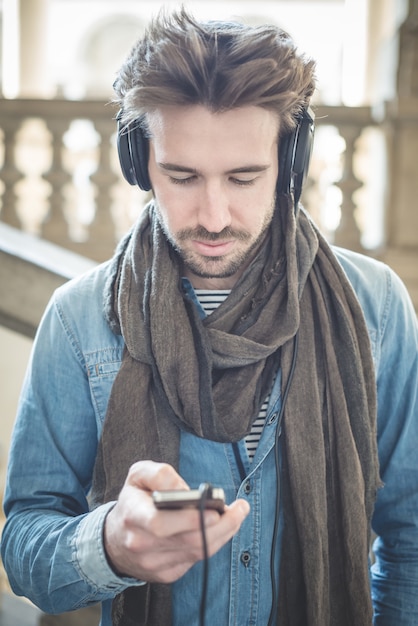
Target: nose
x=214 y=210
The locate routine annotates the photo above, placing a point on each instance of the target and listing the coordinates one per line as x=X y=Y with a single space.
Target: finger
x=188 y=546
x=168 y=523
x=188 y=538
x=153 y=476
x=228 y=525
x=176 y=522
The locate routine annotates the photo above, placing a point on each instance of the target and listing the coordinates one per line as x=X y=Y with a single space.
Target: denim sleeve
x=395 y=522
x=52 y=545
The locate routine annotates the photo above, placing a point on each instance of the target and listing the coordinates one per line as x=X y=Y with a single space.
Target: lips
x=212 y=248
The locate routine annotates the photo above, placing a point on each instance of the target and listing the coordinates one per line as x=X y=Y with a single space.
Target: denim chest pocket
x=102 y=368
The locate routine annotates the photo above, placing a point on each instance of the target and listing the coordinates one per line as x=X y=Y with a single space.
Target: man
x=225 y=343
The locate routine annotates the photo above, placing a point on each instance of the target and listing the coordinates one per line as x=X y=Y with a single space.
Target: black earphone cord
x=274 y=585
x=204 y=489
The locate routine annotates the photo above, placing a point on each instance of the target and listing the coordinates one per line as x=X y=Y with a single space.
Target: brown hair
x=221 y=65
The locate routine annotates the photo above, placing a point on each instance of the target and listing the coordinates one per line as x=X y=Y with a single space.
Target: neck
x=211 y=284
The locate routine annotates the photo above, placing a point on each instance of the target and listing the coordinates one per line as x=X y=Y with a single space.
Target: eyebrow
x=245 y=169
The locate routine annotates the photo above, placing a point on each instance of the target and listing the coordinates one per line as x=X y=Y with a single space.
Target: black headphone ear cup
x=124 y=153
x=303 y=151
x=295 y=150
x=133 y=150
x=139 y=146
x=286 y=150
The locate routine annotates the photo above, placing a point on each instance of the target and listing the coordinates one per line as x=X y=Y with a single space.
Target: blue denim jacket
x=52 y=545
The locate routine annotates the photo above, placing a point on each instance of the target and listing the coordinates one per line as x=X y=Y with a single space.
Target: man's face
x=214 y=176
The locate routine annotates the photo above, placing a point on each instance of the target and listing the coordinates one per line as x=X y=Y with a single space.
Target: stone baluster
x=102 y=230
x=10 y=175
x=348 y=233
x=55 y=227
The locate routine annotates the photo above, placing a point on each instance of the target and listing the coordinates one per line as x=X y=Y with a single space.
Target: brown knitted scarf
x=210 y=378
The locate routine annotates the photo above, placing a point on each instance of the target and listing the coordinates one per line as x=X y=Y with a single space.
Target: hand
x=160 y=546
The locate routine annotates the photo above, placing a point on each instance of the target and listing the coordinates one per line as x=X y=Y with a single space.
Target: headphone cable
x=205 y=489
x=274 y=586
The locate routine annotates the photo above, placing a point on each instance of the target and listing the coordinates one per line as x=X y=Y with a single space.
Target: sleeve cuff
x=90 y=556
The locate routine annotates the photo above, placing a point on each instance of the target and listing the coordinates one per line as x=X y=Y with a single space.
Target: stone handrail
x=30 y=270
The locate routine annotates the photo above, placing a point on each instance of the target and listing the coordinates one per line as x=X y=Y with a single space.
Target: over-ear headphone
x=133 y=150
x=295 y=151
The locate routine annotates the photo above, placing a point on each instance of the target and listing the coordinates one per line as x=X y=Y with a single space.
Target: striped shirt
x=210 y=300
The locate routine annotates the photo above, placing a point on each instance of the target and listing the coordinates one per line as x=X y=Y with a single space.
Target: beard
x=217 y=266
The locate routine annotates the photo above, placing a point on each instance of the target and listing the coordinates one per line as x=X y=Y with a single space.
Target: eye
x=182 y=181
x=243 y=182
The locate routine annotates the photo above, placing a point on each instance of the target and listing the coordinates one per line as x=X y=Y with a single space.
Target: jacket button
x=272 y=419
x=245 y=558
x=247 y=487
